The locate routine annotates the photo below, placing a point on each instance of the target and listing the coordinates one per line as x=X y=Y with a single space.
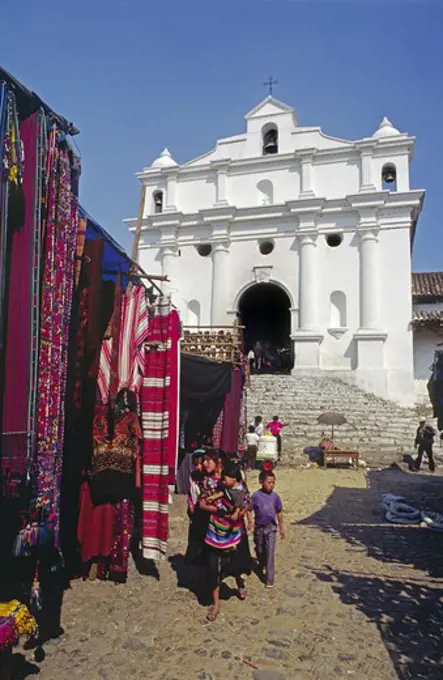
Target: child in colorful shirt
x=226 y=539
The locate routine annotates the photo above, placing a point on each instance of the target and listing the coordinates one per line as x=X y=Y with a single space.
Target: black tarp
x=204 y=384
x=204 y=379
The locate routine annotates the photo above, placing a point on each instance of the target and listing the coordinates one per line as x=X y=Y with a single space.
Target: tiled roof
x=422 y=317
x=427 y=284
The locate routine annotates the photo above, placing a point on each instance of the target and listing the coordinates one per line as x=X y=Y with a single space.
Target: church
x=304 y=238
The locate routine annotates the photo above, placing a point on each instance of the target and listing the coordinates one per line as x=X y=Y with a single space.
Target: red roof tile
x=427 y=284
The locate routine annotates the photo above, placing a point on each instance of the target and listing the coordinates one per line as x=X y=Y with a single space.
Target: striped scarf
x=159 y=406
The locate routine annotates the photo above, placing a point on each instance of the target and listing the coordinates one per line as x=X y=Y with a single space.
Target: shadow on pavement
x=408 y=612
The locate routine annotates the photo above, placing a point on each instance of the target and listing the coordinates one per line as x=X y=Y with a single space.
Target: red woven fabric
x=159 y=405
x=95 y=531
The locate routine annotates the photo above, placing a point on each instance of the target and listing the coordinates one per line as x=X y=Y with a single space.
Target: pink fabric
x=18 y=331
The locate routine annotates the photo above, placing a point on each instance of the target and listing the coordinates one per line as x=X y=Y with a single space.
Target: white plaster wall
x=396 y=310
x=338 y=270
x=245 y=256
x=425 y=344
x=195 y=274
x=150 y=259
x=335 y=180
x=195 y=194
x=243 y=193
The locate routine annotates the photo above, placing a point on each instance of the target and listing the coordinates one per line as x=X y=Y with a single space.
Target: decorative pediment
x=269 y=107
x=262 y=273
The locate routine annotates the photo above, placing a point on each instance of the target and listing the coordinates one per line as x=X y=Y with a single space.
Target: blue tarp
x=115 y=259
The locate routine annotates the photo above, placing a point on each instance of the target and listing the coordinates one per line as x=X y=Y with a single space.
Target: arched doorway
x=265 y=313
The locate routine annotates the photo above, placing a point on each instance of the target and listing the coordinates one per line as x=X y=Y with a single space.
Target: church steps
x=381 y=430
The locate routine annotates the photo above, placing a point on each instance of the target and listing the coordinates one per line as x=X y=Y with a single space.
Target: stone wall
x=380 y=430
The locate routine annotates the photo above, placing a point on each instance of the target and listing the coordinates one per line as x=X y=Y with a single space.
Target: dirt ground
x=355 y=597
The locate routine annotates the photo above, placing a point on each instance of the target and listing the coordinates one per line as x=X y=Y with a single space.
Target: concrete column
x=169 y=269
x=220 y=282
x=369 y=289
x=171 y=190
x=308 y=282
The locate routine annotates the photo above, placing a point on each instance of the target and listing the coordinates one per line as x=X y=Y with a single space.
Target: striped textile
x=134 y=329
x=222 y=532
x=159 y=408
x=133 y=333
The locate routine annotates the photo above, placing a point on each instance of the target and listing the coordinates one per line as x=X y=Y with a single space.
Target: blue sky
x=139 y=75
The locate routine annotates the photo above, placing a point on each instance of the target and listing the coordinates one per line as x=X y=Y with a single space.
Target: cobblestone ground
x=354 y=598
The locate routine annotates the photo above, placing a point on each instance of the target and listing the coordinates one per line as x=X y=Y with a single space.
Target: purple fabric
x=231 y=414
x=266 y=506
x=18 y=332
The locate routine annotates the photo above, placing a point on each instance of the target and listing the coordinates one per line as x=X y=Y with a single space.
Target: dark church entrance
x=265 y=312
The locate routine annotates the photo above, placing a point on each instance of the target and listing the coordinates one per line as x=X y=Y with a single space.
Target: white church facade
x=285 y=219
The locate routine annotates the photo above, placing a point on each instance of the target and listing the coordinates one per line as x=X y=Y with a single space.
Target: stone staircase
x=380 y=430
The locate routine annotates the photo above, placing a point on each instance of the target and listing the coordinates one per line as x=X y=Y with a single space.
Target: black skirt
x=196 y=552
x=223 y=563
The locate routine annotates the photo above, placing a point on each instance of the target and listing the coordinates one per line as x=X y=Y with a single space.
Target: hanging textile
x=80 y=246
x=435 y=388
x=3 y=204
x=231 y=414
x=121 y=355
x=87 y=323
x=204 y=384
x=107 y=381
x=19 y=333
x=95 y=531
x=57 y=288
x=218 y=431
x=134 y=329
x=159 y=405
x=116 y=449
x=202 y=378
x=123 y=527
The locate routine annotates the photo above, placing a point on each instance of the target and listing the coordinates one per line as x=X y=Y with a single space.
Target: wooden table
x=331 y=453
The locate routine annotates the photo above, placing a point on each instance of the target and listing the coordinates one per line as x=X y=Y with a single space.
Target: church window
x=265 y=190
x=334 y=240
x=266 y=247
x=204 y=249
x=389 y=177
x=270 y=139
x=158 y=201
x=338 y=309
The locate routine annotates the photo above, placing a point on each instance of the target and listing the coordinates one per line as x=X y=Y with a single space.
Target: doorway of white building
x=265 y=314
